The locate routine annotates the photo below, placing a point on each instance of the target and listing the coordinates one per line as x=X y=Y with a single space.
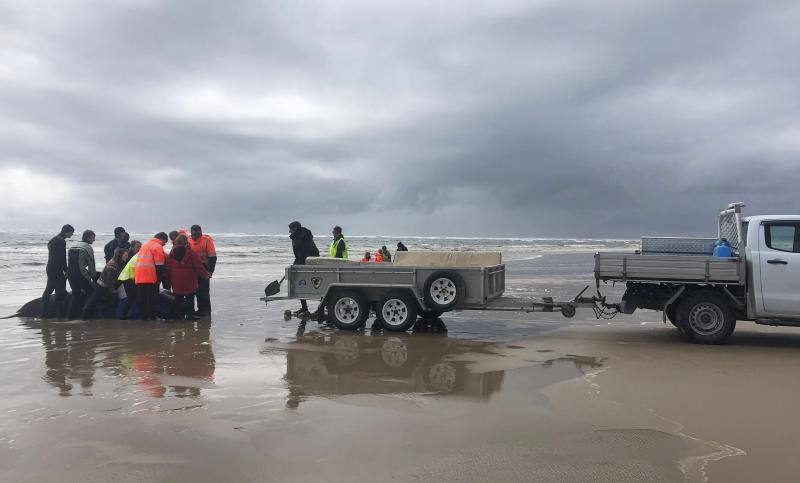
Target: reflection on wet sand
x=173 y=359
x=324 y=363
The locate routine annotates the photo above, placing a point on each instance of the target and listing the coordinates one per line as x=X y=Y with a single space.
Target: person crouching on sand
x=184 y=268
x=105 y=289
x=367 y=257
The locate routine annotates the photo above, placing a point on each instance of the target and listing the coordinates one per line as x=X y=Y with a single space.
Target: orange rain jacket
x=150 y=255
x=203 y=247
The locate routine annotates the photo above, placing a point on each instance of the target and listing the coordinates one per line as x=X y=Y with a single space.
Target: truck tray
x=624 y=267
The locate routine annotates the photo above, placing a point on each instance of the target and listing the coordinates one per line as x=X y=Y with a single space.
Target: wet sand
x=251 y=397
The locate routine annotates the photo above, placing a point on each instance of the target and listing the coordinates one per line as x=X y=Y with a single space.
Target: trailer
x=417 y=284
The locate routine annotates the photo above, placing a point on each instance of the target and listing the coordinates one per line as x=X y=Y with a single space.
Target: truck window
x=782 y=236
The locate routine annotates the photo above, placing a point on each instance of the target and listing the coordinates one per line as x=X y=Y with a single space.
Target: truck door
x=779 y=260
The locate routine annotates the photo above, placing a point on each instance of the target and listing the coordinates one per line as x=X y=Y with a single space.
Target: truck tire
x=706 y=317
x=672 y=316
x=397 y=311
x=347 y=310
x=443 y=290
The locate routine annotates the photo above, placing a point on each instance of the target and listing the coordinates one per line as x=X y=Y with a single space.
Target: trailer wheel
x=443 y=290
x=706 y=317
x=431 y=314
x=347 y=310
x=397 y=311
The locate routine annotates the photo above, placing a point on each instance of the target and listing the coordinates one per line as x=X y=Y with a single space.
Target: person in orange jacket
x=378 y=257
x=148 y=273
x=367 y=257
x=204 y=247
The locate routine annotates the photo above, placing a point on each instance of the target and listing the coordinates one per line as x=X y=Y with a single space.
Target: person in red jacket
x=184 y=268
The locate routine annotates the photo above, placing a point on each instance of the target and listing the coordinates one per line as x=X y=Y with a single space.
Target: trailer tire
x=397 y=311
x=443 y=290
x=706 y=317
x=430 y=314
x=347 y=310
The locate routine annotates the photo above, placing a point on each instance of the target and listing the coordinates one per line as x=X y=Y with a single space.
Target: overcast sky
x=518 y=118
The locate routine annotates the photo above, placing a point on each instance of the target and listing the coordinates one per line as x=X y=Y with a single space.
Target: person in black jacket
x=57 y=271
x=303 y=247
x=120 y=240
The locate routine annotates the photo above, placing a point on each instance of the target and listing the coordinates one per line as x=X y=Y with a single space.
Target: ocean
x=260 y=258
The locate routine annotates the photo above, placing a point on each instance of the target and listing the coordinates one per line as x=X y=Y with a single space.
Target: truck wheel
x=443 y=290
x=347 y=310
x=707 y=318
x=672 y=316
x=397 y=311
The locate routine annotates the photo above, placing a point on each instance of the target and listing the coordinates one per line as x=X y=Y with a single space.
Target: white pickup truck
x=704 y=296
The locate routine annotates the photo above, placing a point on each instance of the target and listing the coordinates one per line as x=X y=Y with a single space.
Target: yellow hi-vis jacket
x=335 y=248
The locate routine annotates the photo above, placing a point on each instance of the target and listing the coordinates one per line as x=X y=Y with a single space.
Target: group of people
x=303 y=247
x=381 y=255
x=132 y=275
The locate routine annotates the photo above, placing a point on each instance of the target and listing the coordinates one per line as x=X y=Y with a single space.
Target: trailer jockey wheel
x=443 y=290
x=568 y=311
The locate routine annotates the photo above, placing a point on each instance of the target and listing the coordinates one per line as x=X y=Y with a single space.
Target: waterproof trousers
x=81 y=289
x=183 y=306
x=130 y=298
x=56 y=282
x=203 y=296
x=146 y=294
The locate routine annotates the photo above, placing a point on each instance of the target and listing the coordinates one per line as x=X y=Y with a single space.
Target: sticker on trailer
x=316 y=282
x=301 y=283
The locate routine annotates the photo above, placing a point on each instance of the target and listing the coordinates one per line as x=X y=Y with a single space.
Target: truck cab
x=772 y=254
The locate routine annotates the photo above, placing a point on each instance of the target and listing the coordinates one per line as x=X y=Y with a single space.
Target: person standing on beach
x=303 y=247
x=56 y=271
x=387 y=257
x=147 y=274
x=81 y=272
x=338 y=248
x=204 y=247
x=120 y=240
x=184 y=269
x=126 y=277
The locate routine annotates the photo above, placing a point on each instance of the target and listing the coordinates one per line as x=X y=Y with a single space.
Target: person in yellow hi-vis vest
x=338 y=248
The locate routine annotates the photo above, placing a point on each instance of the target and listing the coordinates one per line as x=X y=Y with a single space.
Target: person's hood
x=301 y=233
x=82 y=245
x=179 y=252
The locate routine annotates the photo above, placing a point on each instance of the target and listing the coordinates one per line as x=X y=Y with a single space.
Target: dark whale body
x=33 y=309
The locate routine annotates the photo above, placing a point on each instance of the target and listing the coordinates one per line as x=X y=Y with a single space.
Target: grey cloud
x=570 y=118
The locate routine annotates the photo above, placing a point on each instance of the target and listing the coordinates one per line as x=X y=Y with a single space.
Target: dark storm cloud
x=511 y=118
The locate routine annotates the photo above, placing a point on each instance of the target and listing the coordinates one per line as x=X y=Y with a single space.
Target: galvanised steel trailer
x=398 y=293
x=425 y=284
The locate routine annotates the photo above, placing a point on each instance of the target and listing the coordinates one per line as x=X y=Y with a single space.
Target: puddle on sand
x=328 y=364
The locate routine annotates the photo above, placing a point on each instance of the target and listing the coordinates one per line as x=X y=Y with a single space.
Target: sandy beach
x=249 y=396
